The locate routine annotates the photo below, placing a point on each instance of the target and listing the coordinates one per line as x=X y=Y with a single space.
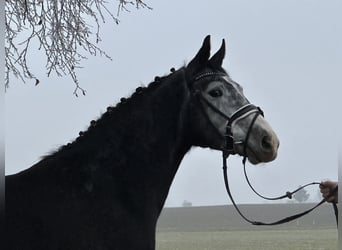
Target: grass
x=303 y=239
x=221 y=228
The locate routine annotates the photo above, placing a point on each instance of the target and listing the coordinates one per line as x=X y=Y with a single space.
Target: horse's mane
x=115 y=112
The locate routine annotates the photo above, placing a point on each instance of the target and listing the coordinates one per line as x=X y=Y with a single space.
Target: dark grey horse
x=106 y=189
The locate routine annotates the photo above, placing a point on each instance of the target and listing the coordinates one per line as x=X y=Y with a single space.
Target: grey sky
x=286 y=54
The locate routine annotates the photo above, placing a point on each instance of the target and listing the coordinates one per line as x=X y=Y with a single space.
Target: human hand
x=329 y=191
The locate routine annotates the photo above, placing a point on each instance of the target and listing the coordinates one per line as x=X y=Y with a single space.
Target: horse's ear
x=202 y=55
x=217 y=59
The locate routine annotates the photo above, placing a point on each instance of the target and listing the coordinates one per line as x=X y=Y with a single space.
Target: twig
x=63 y=30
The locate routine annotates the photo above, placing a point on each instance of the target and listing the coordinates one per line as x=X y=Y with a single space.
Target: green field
x=323 y=239
x=218 y=228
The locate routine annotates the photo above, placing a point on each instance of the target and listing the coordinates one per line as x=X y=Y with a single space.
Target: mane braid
x=140 y=92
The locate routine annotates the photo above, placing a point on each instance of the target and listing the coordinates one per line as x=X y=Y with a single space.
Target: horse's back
x=44 y=211
x=21 y=223
x=31 y=211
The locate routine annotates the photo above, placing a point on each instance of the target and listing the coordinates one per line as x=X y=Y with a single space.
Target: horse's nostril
x=266 y=143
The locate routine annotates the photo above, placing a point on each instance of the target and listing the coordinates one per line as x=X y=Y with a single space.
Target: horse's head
x=223 y=117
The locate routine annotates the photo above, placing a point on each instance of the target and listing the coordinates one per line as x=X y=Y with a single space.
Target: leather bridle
x=229 y=149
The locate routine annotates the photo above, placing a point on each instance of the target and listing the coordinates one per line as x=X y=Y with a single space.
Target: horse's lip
x=254 y=159
x=251 y=156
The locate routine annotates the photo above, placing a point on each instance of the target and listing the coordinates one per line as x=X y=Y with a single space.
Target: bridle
x=238 y=114
x=229 y=149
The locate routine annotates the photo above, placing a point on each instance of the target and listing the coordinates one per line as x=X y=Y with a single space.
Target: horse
x=106 y=188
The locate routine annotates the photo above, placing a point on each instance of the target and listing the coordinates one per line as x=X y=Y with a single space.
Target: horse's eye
x=215 y=93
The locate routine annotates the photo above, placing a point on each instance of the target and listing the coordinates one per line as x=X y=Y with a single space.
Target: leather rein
x=229 y=149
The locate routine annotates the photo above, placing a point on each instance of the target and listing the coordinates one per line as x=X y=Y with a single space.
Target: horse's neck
x=138 y=152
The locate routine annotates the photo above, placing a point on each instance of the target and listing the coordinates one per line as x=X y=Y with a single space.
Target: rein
x=288 y=194
x=229 y=149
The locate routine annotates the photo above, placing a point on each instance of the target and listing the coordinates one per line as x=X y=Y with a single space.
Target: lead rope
x=282 y=221
x=288 y=194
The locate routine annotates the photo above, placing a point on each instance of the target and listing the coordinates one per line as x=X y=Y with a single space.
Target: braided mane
x=116 y=112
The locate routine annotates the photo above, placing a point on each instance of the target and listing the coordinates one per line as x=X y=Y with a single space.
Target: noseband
x=229 y=149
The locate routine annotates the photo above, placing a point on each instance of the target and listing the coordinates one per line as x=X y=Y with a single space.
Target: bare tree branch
x=67 y=30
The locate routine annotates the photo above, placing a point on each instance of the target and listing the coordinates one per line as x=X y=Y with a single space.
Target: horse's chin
x=253 y=160
x=253 y=157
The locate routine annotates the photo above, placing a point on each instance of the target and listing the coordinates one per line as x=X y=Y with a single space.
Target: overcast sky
x=286 y=54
